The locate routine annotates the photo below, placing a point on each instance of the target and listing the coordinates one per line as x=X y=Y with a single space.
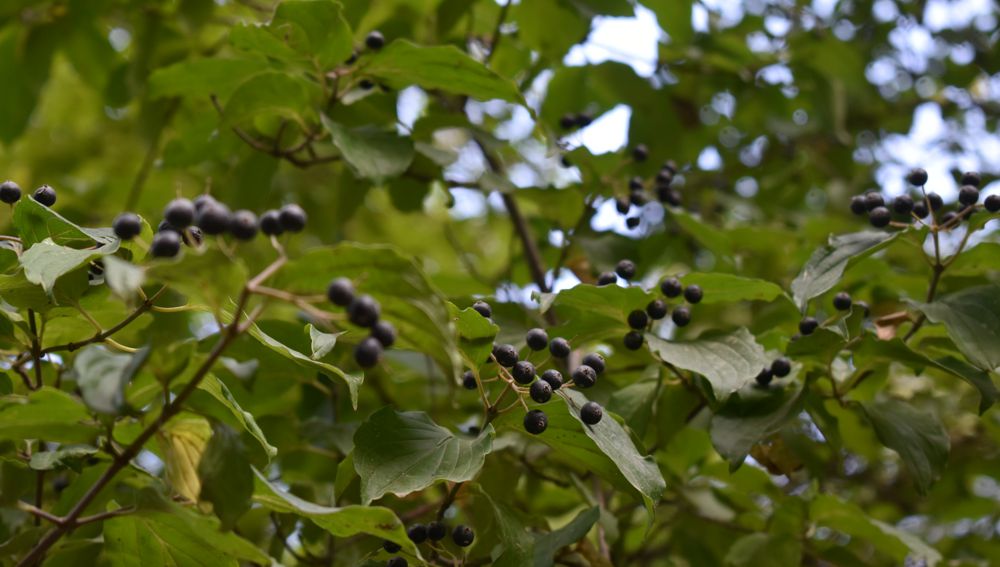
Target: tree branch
x=104 y=335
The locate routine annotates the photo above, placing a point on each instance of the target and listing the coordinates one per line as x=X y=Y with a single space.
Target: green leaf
x=476 y=334
x=48 y=414
x=344 y=522
x=827 y=264
x=200 y=78
x=45 y=262
x=225 y=474
x=594 y=312
x=674 y=16
x=102 y=376
x=405 y=452
x=218 y=390
x=729 y=361
x=34 y=223
x=725 y=288
x=918 y=437
x=751 y=416
x=372 y=153
x=322 y=343
x=318 y=30
x=972 y=317
x=547 y=545
x=123 y=277
x=68 y=456
x=268 y=94
x=443 y=67
x=764 y=550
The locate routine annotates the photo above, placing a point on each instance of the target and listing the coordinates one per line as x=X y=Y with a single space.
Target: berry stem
x=36 y=348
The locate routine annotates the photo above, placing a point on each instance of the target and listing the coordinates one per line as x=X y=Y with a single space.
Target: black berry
x=858 y=205
x=436 y=531
x=808 y=325
x=640 y=153
x=483 y=309
x=270 y=223
x=972 y=178
x=681 y=316
x=902 y=204
x=567 y=121
x=638 y=198
x=463 y=535
x=657 y=309
x=664 y=177
x=879 y=217
x=554 y=378
x=469 y=380
x=633 y=222
x=340 y=292
x=916 y=176
x=384 y=332
x=214 y=218
x=10 y=192
x=396 y=562
x=633 y=340
x=523 y=372
x=606 y=278
x=625 y=269
x=193 y=236
x=668 y=195
x=292 y=217
x=920 y=209
x=537 y=339
x=842 y=301
x=764 y=377
x=417 y=533
x=948 y=217
x=584 y=119
x=201 y=201
x=363 y=311
x=935 y=200
x=693 y=294
x=45 y=195
x=595 y=361
x=638 y=319
x=622 y=205
x=635 y=184
x=127 y=226
x=506 y=355
x=391 y=546
x=541 y=391
x=164 y=225
x=368 y=352
x=559 y=347
x=873 y=200
x=375 y=40
x=165 y=244
x=670 y=165
x=584 y=376
x=535 y=422
x=591 y=413
x=992 y=203
x=968 y=195
x=781 y=367
x=179 y=213
x=671 y=287
x=243 y=225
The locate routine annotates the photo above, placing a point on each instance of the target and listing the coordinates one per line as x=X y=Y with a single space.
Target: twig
x=36 y=349
x=104 y=335
x=495 y=38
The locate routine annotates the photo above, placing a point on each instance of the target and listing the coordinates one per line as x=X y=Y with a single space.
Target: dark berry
x=201 y=201
x=633 y=340
x=292 y=217
x=935 y=200
x=584 y=376
x=671 y=287
x=858 y=205
x=375 y=40
x=559 y=347
x=554 y=378
x=45 y=195
x=638 y=198
x=384 y=332
x=972 y=178
x=179 y=213
x=541 y=391
x=864 y=307
x=920 y=209
x=879 y=217
x=396 y=562
x=635 y=184
x=640 y=153
x=537 y=339
x=668 y=196
x=564 y=161
x=368 y=352
x=681 y=316
x=902 y=204
x=584 y=119
x=127 y=226
x=968 y=195
x=625 y=269
x=391 y=546
x=917 y=177
x=764 y=377
x=595 y=361
x=781 y=367
x=193 y=236
x=165 y=244
x=243 y=225
x=535 y=422
x=340 y=292
x=693 y=294
x=363 y=311
x=622 y=205
x=842 y=301
x=873 y=200
x=270 y=223
x=947 y=218
x=417 y=533
x=469 y=380
x=10 y=192
x=633 y=222
x=664 y=177
x=657 y=309
x=567 y=121
x=214 y=218
x=591 y=413
x=808 y=325
x=483 y=309
x=164 y=225
x=606 y=278
x=638 y=319
x=436 y=531
x=506 y=355
x=992 y=203
x=523 y=372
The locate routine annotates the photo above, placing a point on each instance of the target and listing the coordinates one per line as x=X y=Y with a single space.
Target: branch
x=104 y=335
x=36 y=349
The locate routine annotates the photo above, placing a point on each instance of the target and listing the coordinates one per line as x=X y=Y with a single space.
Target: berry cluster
x=906 y=208
x=779 y=368
x=363 y=311
x=10 y=193
x=639 y=320
x=578 y=120
x=662 y=188
x=841 y=302
x=462 y=535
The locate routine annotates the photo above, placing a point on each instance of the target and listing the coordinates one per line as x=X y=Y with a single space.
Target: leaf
x=200 y=78
x=371 y=152
x=325 y=34
x=764 y=550
x=45 y=262
x=918 y=437
x=49 y=414
x=163 y=533
x=476 y=334
x=728 y=361
x=34 y=223
x=547 y=545
x=972 y=317
x=341 y=522
x=218 y=390
x=103 y=375
x=674 y=16
x=123 y=277
x=274 y=94
x=830 y=511
x=406 y=452
x=68 y=456
x=827 y=264
x=723 y=288
x=753 y=415
x=322 y=343
x=445 y=68
x=225 y=475
x=594 y=312
x=183 y=440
